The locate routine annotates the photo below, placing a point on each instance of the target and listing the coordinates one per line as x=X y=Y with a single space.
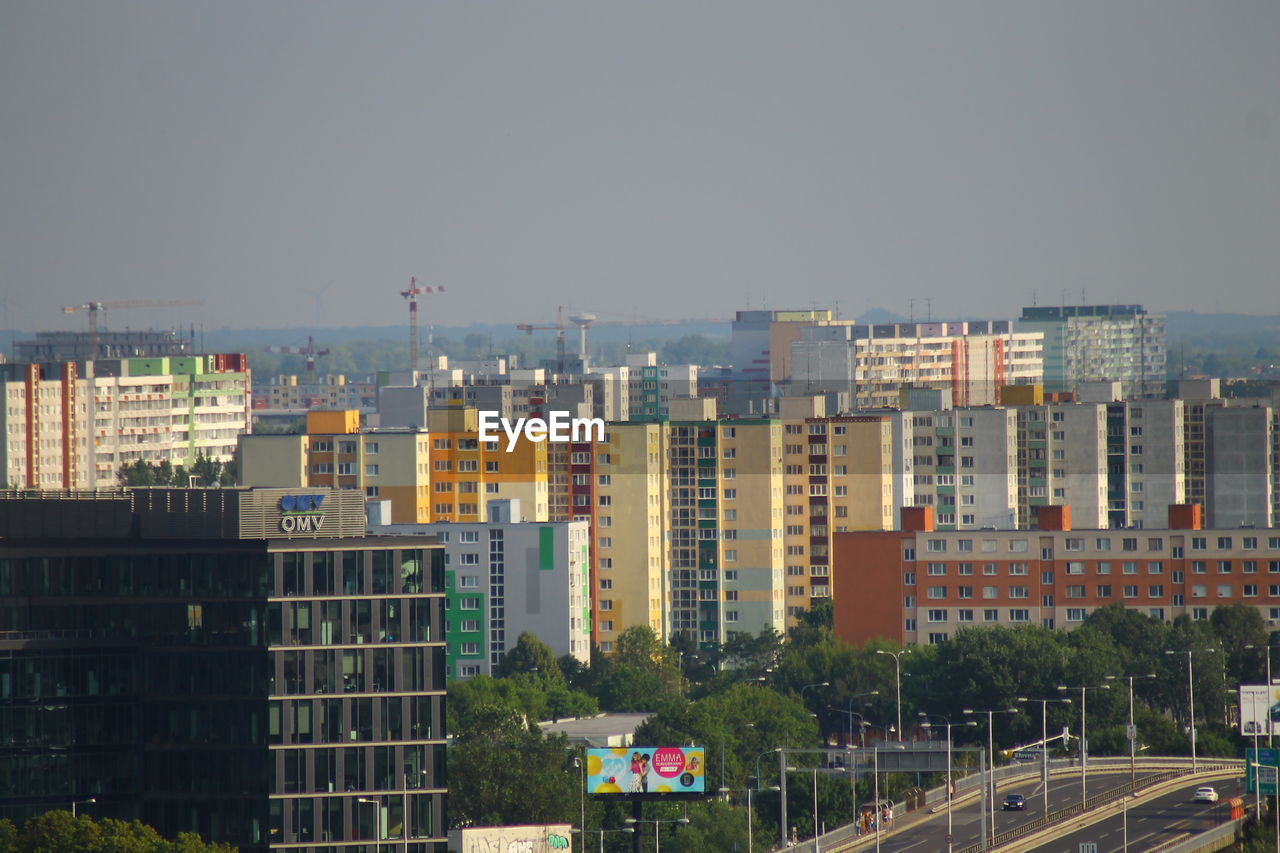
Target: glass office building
x=242 y=663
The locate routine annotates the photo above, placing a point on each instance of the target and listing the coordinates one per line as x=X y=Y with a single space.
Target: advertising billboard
x=1259 y=709
x=646 y=771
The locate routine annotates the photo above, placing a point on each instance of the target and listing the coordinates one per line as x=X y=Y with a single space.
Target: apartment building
x=970 y=360
x=74 y=425
x=333 y=391
x=921 y=585
x=442 y=473
x=504 y=577
x=1101 y=343
x=837 y=476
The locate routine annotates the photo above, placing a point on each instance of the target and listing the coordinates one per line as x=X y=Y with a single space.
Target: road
x=930 y=836
x=1152 y=822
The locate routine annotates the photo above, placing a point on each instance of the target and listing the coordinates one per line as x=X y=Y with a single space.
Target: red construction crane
x=412 y=295
x=558 y=326
x=309 y=351
x=93 y=309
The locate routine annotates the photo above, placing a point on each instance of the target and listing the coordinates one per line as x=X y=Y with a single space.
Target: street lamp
x=656 y=843
x=750 y=810
x=377 y=829
x=1133 y=729
x=815 y=684
x=581 y=764
x=1270 y=736
x=75 y=803
x=991 y=758
x=950 y=787
x=1044 y=741
x=1191 y=696
x=897 y=671
x=1084 y=743
x=583 y=833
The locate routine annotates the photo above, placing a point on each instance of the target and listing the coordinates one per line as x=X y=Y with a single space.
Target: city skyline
x=292 y=164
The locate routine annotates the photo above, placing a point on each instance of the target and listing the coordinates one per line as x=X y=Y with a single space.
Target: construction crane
x=412 y=295
x=93 y=309
x=558 y=327
x=309 y=351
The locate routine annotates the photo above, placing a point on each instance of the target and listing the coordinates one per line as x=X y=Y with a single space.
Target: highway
x=930 y=836
x=1153 y=822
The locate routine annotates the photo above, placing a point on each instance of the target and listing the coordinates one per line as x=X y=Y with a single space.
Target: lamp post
x=75 y=803
x=657 y=844
x=583 y=833
x=750 y=810
x=1133 y=729
x=815 y=684
x=1084 y=743
x=581 y=764
x=1270 y=736
x=991 y=759
x=377 y=829
x=849 y=708
x=946 y=722
x=1044 y=742
x=897 y=673
x=1191 y=696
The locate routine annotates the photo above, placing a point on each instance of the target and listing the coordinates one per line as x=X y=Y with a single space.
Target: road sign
x=1261 y=771
x=1027 y=755
x=1131 y=732
x=1088 y=847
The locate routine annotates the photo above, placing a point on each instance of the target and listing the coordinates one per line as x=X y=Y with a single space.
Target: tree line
x=810 y=690
x=66 y=833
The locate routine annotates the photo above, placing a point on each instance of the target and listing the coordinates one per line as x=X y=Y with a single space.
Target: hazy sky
x=292 y=164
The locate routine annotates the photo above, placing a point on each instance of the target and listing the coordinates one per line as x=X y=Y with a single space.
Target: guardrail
x=1220 y=837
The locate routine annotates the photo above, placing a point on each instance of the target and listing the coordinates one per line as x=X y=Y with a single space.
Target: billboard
x=1259 y=709
x=641 y=771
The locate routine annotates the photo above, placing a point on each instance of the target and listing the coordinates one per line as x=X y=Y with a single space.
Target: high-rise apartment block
x=504 y=577
x=1101 y=343
x=74 y=425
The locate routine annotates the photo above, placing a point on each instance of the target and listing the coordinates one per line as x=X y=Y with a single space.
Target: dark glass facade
x=282 y=693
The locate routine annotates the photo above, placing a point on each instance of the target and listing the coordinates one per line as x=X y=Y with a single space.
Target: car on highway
x=1204 y=795
x=1014 y=802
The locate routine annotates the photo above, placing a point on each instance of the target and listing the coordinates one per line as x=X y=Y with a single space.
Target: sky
x=292 y=164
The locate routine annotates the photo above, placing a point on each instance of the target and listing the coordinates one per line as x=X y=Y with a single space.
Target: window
x=1198 y=543
x=1155 y=591
x=1076 y=591
x=1017 y=592
x=1017 y=569
x=468 y=582
x=990 y=592
x=965 y=569
x=964 y=615
x=1199 y=590
x=991 y=615
x=1103 y=590
x=1102 y=544
x=908 y=578
x=1250 y=590
x=1224 y=543
x=730 y=494
x=1103 y=568
x=935 y=639
x=606 y=604
x=1131 y=591
x=469 y=604
x=989 y=569
x=1075 y=544
x=1129 y=544
x=1197 y=567
x=1075 y=568
x=1018 y=615
x=1155 y=568
x=469 y=649
x=1224 y=590
x=469 y=536
x=936 y=546
x=1075 y=614
x=731 y=555
x=937 y=616
x=937 y=592
x=346 y=468
x=964 y=591
x=1129 y=567
x=937 y=569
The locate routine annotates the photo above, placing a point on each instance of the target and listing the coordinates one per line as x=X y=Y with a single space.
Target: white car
x=1204 y=795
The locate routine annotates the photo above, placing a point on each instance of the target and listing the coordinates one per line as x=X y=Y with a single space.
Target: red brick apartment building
x=918 y=585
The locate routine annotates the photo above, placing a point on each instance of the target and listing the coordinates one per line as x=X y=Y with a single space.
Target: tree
x=1236 y=626
x=530 y=656
x=504 y=771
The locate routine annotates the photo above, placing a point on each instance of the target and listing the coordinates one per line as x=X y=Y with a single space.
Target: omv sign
x=301 y=513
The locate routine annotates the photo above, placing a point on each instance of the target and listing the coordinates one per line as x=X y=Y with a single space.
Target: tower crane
x=558 y=326
x=93 y=309
x=309 y=351
x=412 y=295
